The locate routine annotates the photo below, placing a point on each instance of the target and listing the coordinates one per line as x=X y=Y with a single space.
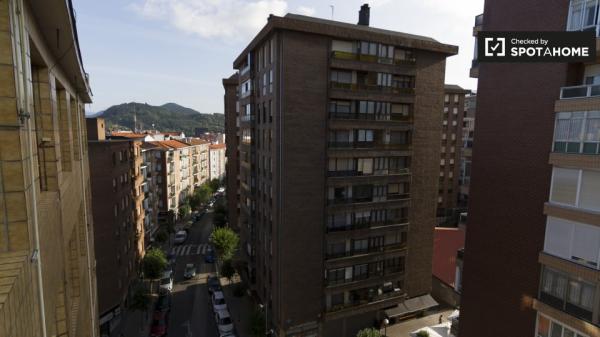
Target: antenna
x=332 y=9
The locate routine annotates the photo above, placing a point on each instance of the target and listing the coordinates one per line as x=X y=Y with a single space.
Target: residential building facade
x=534 y=191
x=467 y=150
x=47 y=258
x=216 y=161
x=452 y=129
x=151 y=170
x=337 y=127
x=118 y=216
x=232 y=152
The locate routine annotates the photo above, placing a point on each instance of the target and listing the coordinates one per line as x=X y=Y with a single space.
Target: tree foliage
x=257 y=324
x=369 y=332
x=161 y=236
x=214 y=185
x=140 y=300
x=227 y=270
x=226 y=242
x=154 y=263
x=184 y=210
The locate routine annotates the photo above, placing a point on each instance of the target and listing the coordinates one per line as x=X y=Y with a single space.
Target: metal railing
x=372 y=88
x=579 y=91
x=344 y=55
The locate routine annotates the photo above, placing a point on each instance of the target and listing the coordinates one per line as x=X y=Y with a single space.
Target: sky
x=160 y=51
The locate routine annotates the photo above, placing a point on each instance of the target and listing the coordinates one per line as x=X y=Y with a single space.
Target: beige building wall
x=47 y=276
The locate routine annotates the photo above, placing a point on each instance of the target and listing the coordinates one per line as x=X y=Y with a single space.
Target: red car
x=159 y=324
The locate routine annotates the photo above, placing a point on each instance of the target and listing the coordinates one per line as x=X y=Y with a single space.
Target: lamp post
x=386 y=322
x=266 y=308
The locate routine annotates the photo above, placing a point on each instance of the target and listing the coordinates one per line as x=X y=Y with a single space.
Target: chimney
x=363 y=15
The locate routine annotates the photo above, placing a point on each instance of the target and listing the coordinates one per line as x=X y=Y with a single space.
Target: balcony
x=371 y=88
x=371 y=117
x=370 y=250
x=364 y=224
x=370 y=302
x=355 y=173
x=368 y=199
x=343 y=55
x=368 y=145
x=580 y=91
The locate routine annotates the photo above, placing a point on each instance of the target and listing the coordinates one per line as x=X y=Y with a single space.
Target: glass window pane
x=564 y=186
x=543 y=328
x=556 y=330
x=592 y=132
x=576 y=12
x=589 y=196
x=589 y=16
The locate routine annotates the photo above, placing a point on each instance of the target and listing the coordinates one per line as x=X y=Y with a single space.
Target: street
x=191 y=315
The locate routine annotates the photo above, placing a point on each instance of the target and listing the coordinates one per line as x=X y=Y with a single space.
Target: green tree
x=203 y=193
x=423 y=333
x=184 y=210
x=154 y=263
x=368 y=332
x=214 y=184
x=140 y=302
x=226 y=242
x=161 y=236
x=227 y=270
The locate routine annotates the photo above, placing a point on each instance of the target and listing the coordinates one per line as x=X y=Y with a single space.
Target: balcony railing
x=247 y=118
x=367 y=145
x=373 y=117
x=358 y=224
x=579 y=91
x=371 y=87
x=358 y=200
x=355 y=173
x=370 y=250
x=344 y=55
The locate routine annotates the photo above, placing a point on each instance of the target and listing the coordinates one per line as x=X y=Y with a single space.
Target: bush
x=227 y=270
x=423 y=333
x=161 y=236
x=184 y=210
x=368 y=332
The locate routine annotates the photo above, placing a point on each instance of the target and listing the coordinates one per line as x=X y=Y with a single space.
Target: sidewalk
x=240 y=308
x=134 y=323
x=403 y=329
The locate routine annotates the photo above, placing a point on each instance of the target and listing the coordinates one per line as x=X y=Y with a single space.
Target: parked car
x=163 y=303
x=218 y=301
x=190 y=271
x=159 y=324
x=166 y=282
x=221 y=190
x=213 y=284
x=209 y=256
x=180 y=237
x=224 y=323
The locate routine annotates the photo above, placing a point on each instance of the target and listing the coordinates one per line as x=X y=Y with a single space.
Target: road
x=191 y=315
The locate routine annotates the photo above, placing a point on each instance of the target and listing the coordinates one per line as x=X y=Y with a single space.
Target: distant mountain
x=167 y=117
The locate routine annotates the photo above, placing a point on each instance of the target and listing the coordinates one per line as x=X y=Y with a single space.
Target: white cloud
x=231 y=19
x=304 y=10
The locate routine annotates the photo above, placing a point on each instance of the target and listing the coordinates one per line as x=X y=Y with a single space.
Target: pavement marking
x=185 y=250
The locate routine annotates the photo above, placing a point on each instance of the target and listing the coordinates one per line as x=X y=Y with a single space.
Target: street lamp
x=261 y=306
x=386 y=322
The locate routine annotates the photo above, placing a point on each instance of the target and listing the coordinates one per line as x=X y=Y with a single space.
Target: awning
x=411 y=305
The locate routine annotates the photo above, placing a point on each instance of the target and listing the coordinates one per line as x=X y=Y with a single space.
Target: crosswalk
x=185 y=250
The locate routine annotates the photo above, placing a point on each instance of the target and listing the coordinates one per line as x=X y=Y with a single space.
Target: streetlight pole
x=386 y=322
x=266 y=317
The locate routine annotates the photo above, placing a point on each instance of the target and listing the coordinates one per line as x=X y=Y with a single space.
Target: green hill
x=165 y=118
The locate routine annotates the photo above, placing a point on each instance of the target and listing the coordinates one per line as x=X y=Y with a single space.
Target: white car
x=224 y=322
x=166 y=282
x=218 y=301
x=180 y=237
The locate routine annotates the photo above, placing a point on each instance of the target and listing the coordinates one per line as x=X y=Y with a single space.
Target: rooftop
x=349 y=31
x=216 y=146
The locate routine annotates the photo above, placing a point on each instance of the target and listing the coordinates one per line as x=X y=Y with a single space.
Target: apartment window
x=271 y=81
x=381 y=165
x=398 y=137
x=582 y=14
x=579 y=188
x=340 y=108
x=591 y=135
x=337 y=299
x=394 y=265
x=368 y=48
x=339 y=76
x=455 y=101
x=340 y=138
x=403 y=81
x=336 y=249
x=567 y=132
x=365 y=166
x=571 y=295
x=384 y=80
x=403 y=55
x=246 y=88
x=339 y=220
x=572 y=241
x=446 y=98
x=336 y=276
x=362 y=193
x=114 y=183
x=547 y=327
x=116 y=210
x=360 y=272
x=398 y=164
x=364 y=135
x=400 y=111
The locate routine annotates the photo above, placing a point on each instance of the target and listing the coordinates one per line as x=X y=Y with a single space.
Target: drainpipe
x=36 y=256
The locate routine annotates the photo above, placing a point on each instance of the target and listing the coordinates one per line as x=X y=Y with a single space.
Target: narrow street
x=191 y=315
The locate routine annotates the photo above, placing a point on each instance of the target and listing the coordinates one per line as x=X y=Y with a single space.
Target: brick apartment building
x=337 y=127
x=117 y=191
x=47 y=262
x=466 y=158
x=232 y=151
x=452 y=129
x=535 y=192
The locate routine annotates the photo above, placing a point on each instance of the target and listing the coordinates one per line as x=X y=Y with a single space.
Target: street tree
x=154 y=263
x=140 y=302
x=214 y=184
x=226 y=242
x=227 y=270
x=184 y=210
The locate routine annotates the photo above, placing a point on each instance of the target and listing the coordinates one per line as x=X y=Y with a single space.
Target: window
x=567 y=132
x=341 y=76
x=336 y=276
x=246 y=88
x=572 y=241
x=579 y=188
x=455 y=100
x=582 y=14
x=368 y=48
x=400 y=111
x=403 y=55
x=591 y=136
x=398 y=137
x=340 y=108
x=446 y=98
x=403 y=81
x=384 y=80
x=340 y=166
x=360 y=272
x=362 y=193
x=365 y=166
x=571 y=295
x=364 y=135
x=337 y=299
x=340 y=138
x=360 y=245
x=336 y=249
x=398 y=164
